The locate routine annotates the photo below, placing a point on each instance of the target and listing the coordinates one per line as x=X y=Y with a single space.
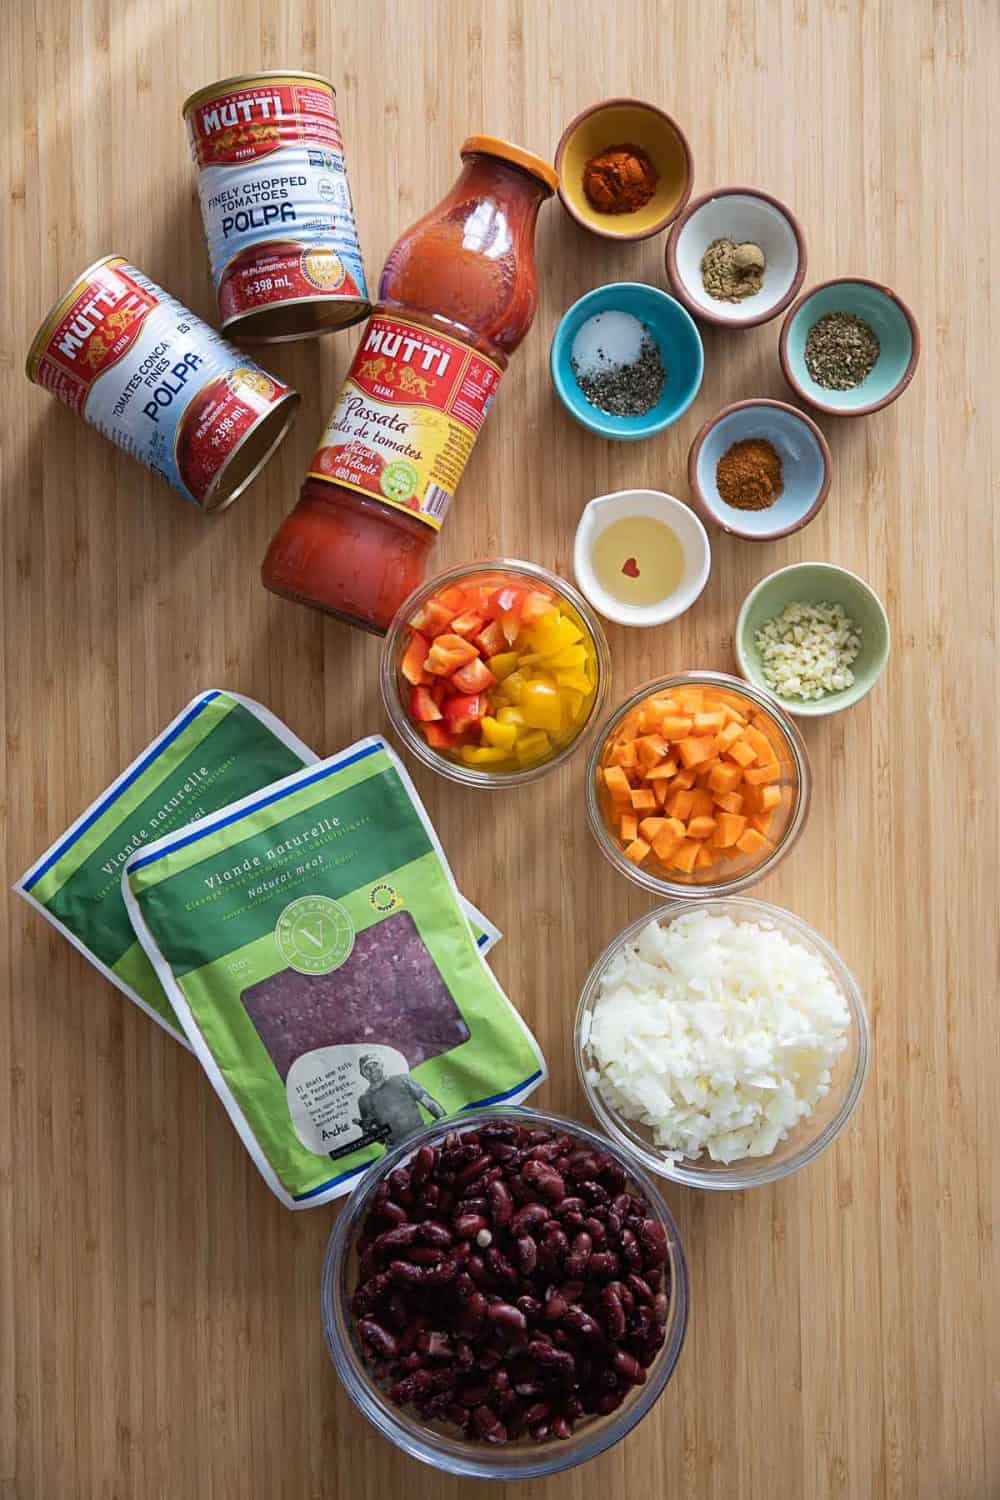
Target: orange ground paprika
x=620 y=179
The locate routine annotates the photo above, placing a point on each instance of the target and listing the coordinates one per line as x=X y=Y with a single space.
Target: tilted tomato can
x=276 y=204
x=160 y=383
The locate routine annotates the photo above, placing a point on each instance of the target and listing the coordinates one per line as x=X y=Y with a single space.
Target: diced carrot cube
x=730 y=802
x=709 y=721
x=741 y=752
x=730 y=828
x=675 y=726
x=762 y=821
x=761 y=775
x=702 y=805
x=725 y=777
x=637 y=851
x=728 y=736
x=701 y=827
x=661 y=791
x=705 y=857
x=668 y=838
x=733 y=715
x=693 y=751
x=684 y=856
x=651 y=828
x=761 y=745
x=770 y=796
x=643 y=800
x=663 y=772
x=623 y=754
x=751 y=841
x=651 y=749
x=690 y=699
x=684 y=781
x=617 y=783
x=628 y=827
x=679 y=805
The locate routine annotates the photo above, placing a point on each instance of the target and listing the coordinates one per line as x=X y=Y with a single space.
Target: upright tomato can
x=161 y=384
x=276 y=204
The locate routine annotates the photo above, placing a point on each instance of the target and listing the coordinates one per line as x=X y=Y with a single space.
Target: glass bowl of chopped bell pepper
x=493 y=672
x=698 y=784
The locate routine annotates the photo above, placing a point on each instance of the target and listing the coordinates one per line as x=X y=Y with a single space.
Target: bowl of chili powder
x=759 y=470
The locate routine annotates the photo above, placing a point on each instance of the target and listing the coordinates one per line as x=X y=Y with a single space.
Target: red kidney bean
x=474 y=1395
x=568 y=1206
x=473 y=1171
x=592 y=1192
x=609 y=1402
x=640 y=1289
x=394 y=1212
x=399 y=1186
x=561 y=1428
x=660 y=1307
x=576 y=1260
x=654 y=1276
x=596 y=1230
x=488 y=1425
x=653 y=1239
x=467 y=1226
x=545 y=1180
x=540 y=1411
x=397 y=1238
x=434 y=1233
x=630 y=1250
x=583 y=1324
x=629 y=1368
x=378 y=1339
x=429 y=1199
x=624 y=1294
x=529 y=1219
x=510 y=1318
x=540 y=1432
x=582 y=1166
x=613 y=1314
x=603 y=1265
x=531 y=1307
x=501 y=1204
x=425 y=1255
x=526 y=1254
x=555 y=1308
x=500 y=1266
x=571 y=1290
x=422 y=1165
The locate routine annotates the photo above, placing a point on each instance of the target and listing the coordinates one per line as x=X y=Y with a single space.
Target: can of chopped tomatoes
x=276 y=204
x=160 y=383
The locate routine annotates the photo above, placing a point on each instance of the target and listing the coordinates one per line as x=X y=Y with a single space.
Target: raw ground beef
x=389 y=992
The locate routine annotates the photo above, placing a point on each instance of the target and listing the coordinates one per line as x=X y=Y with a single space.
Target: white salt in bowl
x=740 y=214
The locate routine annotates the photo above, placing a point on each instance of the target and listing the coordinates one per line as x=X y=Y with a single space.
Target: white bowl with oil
x=641 y=557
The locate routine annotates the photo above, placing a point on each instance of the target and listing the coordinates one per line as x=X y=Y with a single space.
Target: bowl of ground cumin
x=759 y=470
x=625 y=169
x=736 y=257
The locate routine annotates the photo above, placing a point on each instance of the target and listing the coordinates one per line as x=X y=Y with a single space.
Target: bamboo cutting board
x=159 y=1322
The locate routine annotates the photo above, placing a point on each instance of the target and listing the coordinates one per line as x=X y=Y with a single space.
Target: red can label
x=152 y=377
x=275 y=198
x=407 y=417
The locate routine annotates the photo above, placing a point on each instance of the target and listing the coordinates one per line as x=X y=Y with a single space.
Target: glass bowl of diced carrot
x=493 y=672
x=698 y=782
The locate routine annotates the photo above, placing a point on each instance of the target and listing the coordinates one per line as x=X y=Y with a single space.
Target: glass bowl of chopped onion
x=698 y=785
x=722 y=1042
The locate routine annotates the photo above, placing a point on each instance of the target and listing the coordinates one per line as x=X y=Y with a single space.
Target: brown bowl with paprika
x=625 y=169
x=759 y=470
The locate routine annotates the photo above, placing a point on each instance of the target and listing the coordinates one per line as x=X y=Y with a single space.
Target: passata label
x=275 y=198
x=153 y=378
x=407 y=417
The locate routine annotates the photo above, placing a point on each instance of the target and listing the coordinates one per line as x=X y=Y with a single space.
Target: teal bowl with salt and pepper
x=678 y=344
x=890 y=320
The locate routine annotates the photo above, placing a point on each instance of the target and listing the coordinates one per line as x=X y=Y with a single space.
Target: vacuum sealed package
x=220 y=748
x=313 y=944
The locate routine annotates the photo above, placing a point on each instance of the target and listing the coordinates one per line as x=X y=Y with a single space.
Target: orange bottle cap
x=492 y=145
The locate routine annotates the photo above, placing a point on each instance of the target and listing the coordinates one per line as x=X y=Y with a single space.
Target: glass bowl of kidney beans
x=505 y=1295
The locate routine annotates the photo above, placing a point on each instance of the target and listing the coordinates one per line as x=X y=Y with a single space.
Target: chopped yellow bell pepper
x=532 y=746
x=553 y=634
x=541 y=704
x=483 y=755
x=503 y=664
x=510 y=715
x=514 y=686
x=571 y=656
x=495 y=733
x=574 y=679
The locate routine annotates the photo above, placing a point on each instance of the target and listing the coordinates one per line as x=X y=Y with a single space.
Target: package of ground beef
x=317 y=953
x=219 y=748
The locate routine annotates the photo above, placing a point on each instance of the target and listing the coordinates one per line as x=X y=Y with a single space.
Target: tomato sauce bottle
x=457 y=296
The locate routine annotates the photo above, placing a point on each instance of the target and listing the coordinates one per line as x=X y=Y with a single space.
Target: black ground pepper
x=625 y=390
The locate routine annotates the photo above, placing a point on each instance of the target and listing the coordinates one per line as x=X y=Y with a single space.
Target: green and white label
x=315 y=935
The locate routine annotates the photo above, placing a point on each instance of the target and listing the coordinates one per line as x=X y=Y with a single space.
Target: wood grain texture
x=159 y=1326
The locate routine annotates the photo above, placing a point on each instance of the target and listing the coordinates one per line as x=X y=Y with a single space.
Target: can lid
x=246 y=80
x=492 y=145
x=58 y=308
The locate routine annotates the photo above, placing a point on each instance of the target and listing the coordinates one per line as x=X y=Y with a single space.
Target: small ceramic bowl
x=805 y=468
x=617 y=122
x=816 y=583
x=683 y=522
x=892 y=322
x=739 y=214
x=676 y=336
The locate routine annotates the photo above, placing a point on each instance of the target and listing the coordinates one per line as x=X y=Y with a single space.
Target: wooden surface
x=159 y=1323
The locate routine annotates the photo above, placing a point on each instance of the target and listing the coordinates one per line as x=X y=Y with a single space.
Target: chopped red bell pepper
x=438 y=737
x=432 y=619
x=422 y=706
x=474 y=677
x=452 y=598
x=492 y=640
x=412 y=665
x=463 y=711
x=467 y=625
x=477 y=598
x=448 y=653
x=506 y=600
x=536 y=604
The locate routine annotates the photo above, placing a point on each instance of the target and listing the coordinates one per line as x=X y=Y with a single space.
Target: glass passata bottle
x=457 y=296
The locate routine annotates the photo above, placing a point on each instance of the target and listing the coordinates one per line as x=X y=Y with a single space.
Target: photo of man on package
x=390 y=1107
